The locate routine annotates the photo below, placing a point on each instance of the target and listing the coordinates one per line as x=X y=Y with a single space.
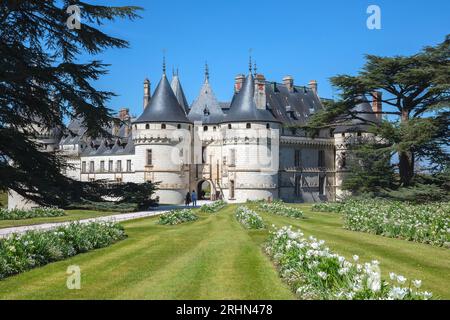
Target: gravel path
x=6 y=232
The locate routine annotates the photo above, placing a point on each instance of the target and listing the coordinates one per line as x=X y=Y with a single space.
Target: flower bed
x=279 y=208
x=174 y=217
x=37 y=248
x=213 y=207
x=18 y=214
x=249 y=218
x=314 y=272
x=427 y=223
x=327 y=207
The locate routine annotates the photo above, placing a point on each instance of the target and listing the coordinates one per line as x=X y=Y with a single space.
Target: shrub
x=213 y=207
x=279 y=208
x=17 y=214
x=314 y=272
x=249 y=218
x=327 y=207
x=177 y=216
x=105 y=206
x=19 y=253
x=426 y=223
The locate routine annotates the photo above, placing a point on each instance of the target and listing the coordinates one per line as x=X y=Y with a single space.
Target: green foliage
x=104 y=206
x=174 y=217
x=37 y=248
x=17 y=214
x=3 y=199
x=279 y=208
x=313 y=271
x=327 y=207
x=249 y=218
x=213 y=207
x=43 y=83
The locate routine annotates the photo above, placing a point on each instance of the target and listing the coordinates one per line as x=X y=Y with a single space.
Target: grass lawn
x=215 y=258
x=71 y=215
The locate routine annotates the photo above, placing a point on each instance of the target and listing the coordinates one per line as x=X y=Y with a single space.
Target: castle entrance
x=205 y=190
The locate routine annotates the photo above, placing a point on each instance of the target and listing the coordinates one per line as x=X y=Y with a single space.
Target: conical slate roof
x=179 y=93
x=163 y=106
x=243 y=107
x=362 y=110
x=206 y=108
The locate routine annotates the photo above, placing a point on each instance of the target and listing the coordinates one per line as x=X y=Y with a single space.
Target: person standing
x=187 y=200
x=194 y=198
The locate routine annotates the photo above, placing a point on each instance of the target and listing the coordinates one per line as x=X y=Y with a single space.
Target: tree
x=416 y=92
x=42 y=84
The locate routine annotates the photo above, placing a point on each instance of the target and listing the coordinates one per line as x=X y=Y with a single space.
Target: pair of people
x=191 y=197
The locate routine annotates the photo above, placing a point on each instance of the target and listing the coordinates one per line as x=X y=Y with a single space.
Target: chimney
x=260 y=91
x=313 y=86
x=124 y=114
x=238 y=81
x=288 y=81
x=377 y=104
x=147 y=94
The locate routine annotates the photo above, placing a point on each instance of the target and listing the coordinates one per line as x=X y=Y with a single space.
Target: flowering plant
x=314 y=272
x=279 y=208
x=177 y=216
x=249 y=218
x=213 y=207
x=327 y=207
x=17 y=214
x=19 y=253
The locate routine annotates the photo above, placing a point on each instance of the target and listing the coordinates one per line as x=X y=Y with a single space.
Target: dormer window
x=163 y=126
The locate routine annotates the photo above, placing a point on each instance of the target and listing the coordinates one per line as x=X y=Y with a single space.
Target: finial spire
x=250 y=60
x=206 y=71
x=164 y=62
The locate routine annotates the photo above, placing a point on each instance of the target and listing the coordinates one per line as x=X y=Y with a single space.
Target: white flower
x=392 y=275
x=401 y=279
x=355 y=258
x=417 y=283
x=322 y=274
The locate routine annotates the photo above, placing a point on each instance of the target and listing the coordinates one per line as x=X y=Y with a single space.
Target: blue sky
x=305 y=39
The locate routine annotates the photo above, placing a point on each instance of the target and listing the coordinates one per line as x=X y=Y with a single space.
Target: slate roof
x=363 y=111
x=243 y=107
x=206 y=108
x=179 y=93
x=163 y=106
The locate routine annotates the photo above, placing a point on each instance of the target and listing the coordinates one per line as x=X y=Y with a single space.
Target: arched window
x=147 y=126
x=135 y=126
x=249 y=125
x=214 y=128
x=163 y=126
x=229 y=126
x=205 y=128
x=267 y=126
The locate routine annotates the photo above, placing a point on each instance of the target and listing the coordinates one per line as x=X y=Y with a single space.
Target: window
x=322 y=185
x=102 y=166
x=232 y=157
x=91 y=166
x=297 y=158
x=119 y=166
x=321 y=159
x=231 y=189
x=119 y=180
x=205 y=128
x=149 y=157
x=83 y=167
x=147 y=126
x=298 y=186
x=163 y=126
x=359 y=134
x=129 y=165
x=248 y=125
x=203 y=154
x=267 y=126
x=179 y=126
x=229 y=126
x=110 y=165
x=214 y=128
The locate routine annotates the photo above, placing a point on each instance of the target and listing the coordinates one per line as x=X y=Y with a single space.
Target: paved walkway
x=6 y=232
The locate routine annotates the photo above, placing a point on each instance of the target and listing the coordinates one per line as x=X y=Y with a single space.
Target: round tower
x=161 y=136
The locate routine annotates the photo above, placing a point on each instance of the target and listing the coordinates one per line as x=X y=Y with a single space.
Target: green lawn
x=71 y=215
x=215 y=258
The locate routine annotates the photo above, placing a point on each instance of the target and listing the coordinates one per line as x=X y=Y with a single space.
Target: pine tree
x=42 y=85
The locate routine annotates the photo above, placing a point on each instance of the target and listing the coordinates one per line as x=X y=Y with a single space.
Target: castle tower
x=160 y=146
x=179 y=93
x=251 y=147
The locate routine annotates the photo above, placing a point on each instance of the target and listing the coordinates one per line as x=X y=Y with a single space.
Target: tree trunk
x=406 y=158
